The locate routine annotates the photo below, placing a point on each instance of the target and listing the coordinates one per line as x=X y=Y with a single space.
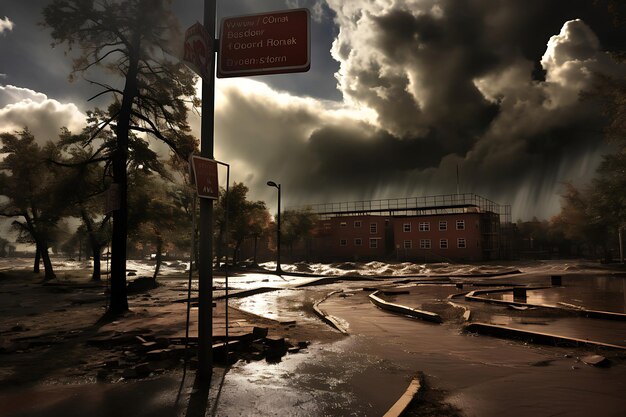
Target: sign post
x=268 y=43
x=205 y=246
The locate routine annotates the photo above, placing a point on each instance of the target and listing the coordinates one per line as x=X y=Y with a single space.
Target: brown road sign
x=205 y=174
x=269 y=43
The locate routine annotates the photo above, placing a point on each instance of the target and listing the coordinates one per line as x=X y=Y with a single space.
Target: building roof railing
x=437 y=204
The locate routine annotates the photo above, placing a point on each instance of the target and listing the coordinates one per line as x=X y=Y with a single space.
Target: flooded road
x=469 y=375
x=593 y=293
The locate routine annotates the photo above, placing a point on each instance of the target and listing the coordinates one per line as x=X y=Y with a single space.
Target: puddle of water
x=593 y=293
x=605 y=331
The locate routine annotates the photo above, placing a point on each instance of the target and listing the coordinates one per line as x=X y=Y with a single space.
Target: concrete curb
x=534 y=337
x=247 y=293
x=403 y=402
x=326 y=318
x=594 y=314
x=332 y=280
x=407 y=311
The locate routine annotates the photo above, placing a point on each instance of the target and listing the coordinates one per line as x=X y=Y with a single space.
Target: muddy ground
x=54 y=344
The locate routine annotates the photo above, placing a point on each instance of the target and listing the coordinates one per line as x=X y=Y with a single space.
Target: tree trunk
x=96 y=246
x=95 y=252
x=236 y=252
x=118 y=300
x=37 y=260
x=159 y=258
x=256 y=238
x=47 y=264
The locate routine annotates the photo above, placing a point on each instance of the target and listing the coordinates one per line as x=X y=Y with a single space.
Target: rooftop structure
x=415 y=206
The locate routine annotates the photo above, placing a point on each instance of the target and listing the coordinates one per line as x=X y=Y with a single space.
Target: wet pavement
x=478 y=376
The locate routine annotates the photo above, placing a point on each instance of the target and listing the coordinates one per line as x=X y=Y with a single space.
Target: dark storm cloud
x=424 y=86
x=456 y=83
x=346 y=158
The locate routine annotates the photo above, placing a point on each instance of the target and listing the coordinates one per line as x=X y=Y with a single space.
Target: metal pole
x=205 y=264
x=621 y=244
x=226 y=264
x=191 y=256
x=278 y=236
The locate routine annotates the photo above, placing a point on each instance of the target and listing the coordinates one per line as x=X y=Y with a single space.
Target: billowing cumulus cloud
x=423 y=87
x=436 y=85
x=269 y=135
x=22 y=107
x=6 y=25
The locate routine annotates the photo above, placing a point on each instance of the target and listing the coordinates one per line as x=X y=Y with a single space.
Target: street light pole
x=277 y=186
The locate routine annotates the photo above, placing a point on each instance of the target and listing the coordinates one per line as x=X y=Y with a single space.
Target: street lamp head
x=272 y=184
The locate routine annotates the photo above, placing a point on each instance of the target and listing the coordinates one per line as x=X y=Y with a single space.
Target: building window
x=373 y=228
x=424 y=243
x=460 y=243
x=357 y=223
x=343 y=224
x=443 y=226
x=408 y=244
x=343 y=242
x=460 y=225
x=424 y=226
x=406 y=227
x=358 y=241
x=443 y=244
x=373 y=243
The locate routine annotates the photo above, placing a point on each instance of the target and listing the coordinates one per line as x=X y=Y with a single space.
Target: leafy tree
x=580 y=222
x=130 y=40
x=4 y=247
x=32 y=186
x=259 y=225
x=296 y=225
x=245 y=218
x=608 y=192
x=159 y=219
x=85 y=187
x=76 y=243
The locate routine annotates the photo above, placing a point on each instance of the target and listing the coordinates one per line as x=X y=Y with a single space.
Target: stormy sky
x=399 y=94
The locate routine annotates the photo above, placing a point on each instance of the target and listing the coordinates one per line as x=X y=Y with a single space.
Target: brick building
x=457 y=227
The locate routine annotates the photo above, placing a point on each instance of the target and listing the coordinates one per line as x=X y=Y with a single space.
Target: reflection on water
x=605 y=331
x=592 y=293
x=281 y=305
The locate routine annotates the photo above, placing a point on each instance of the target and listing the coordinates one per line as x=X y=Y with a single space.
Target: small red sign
x=205 y=175
x=198 y=50
x=267 y=43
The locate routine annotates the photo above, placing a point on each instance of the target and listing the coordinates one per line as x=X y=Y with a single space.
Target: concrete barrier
x=407 y=311
x=403 y=402
x=534 y=337
x=327 y=318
